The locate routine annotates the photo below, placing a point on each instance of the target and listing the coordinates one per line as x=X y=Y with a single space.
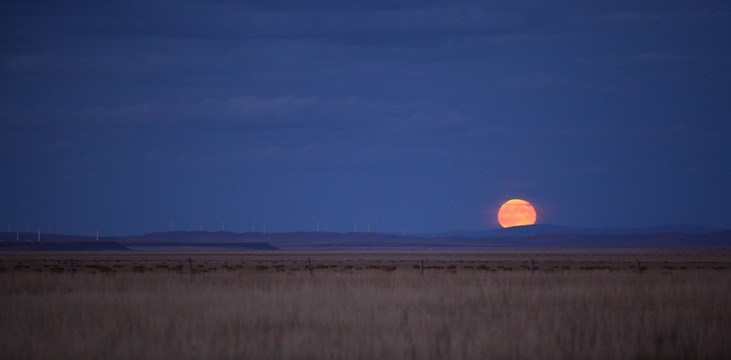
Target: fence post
x=421 y=267
x=309 y=265
x=531 y=267
x=190 y=266
x=637 y=265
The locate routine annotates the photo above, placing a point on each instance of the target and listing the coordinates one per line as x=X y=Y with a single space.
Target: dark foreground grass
x=368 y=314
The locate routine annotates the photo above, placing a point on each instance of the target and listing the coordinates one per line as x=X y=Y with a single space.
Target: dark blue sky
x=412 y=116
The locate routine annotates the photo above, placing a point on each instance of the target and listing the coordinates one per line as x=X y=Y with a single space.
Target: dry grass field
x=367 y=305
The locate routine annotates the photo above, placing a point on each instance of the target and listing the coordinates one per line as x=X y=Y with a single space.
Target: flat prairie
x=548 y=304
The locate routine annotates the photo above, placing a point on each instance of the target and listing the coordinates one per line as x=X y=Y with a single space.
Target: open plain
x=600 y=304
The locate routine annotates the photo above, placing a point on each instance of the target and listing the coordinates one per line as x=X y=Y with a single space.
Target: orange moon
x=516 y=212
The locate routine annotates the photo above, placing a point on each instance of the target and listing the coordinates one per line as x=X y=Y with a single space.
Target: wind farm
x=538 y=236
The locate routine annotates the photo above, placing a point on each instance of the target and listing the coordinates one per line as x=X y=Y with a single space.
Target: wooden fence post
x=637 y=265
x=421 y=267
x=309 y=265
x=190 y=266
x=531 y=267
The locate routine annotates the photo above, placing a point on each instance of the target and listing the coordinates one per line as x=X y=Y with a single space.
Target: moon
x=516 y=212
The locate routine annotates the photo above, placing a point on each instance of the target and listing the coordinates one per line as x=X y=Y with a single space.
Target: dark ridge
x=361 y=240
x=315 y=240
x=547 y=229
x=166 y=245
x=190 y=237
x=174 y=240
x=61 y=246
x=45 y=237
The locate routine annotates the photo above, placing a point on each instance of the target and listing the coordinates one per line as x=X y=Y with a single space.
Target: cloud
x=537 y=82
x=579 y=132
x=659 y=57
x=246 y=113
x=344 y=22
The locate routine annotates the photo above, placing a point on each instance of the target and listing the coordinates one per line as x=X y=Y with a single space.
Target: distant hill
x=545 y=229
x=536 y=236
x=174 y=240
x=316 y=240
x=190 y=237
x=61 y=246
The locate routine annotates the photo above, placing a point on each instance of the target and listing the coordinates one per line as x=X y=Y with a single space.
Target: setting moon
x=516 y=212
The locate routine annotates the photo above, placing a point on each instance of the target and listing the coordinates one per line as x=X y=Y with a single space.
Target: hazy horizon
x=686 y=228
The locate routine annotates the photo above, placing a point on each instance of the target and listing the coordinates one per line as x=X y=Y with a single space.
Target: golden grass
x=367 y=314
